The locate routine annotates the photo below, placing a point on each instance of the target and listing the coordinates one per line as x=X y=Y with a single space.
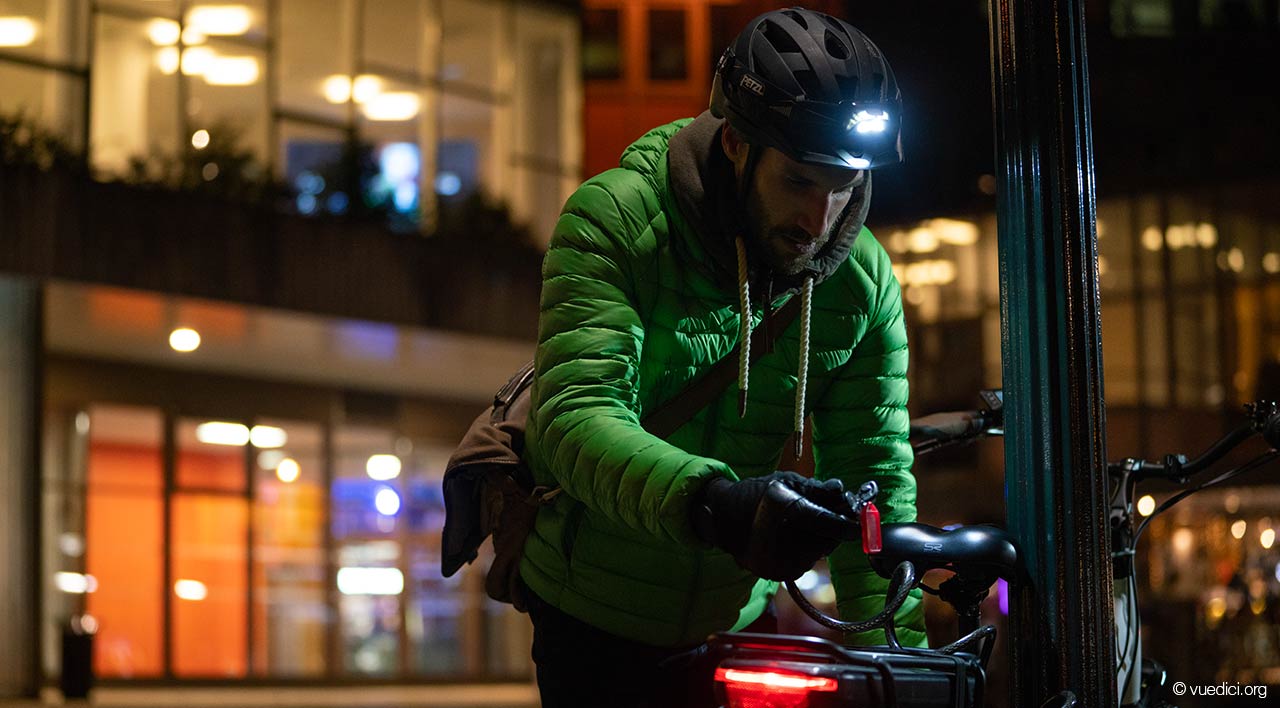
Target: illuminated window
x=601 y=44
x=471 y=35
x=209 y=553
x=123 y=539
x=310 y=74
x=289 y=612
x=668 y=55
x=368 y=525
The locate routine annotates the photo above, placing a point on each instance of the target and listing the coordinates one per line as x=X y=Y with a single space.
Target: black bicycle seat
x=965 y=550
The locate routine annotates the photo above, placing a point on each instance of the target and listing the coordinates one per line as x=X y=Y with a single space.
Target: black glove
x=776 y=526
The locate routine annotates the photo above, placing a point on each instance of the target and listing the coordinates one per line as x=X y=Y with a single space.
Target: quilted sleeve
x=584 y=430
x=860 y=433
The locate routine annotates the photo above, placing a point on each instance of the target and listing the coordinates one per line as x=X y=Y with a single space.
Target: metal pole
x=1055 y=453
x=21 y=342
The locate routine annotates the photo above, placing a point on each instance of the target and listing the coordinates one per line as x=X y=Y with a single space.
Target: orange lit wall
x=209 y=634
x=210 y=547
x=124 y=524
x=124 y=551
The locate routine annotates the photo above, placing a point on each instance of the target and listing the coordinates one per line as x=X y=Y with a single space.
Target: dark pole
x=1055 y=454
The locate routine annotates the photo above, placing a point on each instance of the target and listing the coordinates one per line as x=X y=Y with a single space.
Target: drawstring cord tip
x=742 y=403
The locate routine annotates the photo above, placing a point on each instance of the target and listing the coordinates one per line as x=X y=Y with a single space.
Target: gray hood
x=703 y=183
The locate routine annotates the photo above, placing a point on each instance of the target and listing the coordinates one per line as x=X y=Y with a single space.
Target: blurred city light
x=288 y=470
x=1183 y=540
x=382 y=467
x=217 y=433
x=267 y=436
x=220 y=20
x=1267 y=538
x=193 y=590
x=1271 y=263
x=365 y=88
x=17 y=31
x=75 y=583
x=370 y=581
x=167 y=60
x=235 y=434
x=392 y=106
x=1146 y=505
x=1238 y=528
x=164 y=33
x=200 y=139
x=387 y=502
x=232 y=71
x=184 y=339
x=336 y=89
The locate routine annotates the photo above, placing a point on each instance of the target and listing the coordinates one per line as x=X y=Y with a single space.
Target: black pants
x=579 y=665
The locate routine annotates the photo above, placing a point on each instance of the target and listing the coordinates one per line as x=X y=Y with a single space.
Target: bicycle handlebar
x=1265 y=417
x=948 y=426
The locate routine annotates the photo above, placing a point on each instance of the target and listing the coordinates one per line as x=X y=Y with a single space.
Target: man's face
x=792 y=208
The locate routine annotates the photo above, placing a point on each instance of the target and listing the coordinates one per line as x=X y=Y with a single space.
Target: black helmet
x=812 y=86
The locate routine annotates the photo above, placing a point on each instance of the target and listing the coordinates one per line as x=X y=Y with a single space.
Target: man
x=655 y=272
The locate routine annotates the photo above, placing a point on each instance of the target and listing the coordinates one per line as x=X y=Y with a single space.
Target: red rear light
x=761 y=688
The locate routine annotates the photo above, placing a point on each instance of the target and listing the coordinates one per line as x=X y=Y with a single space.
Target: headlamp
x=869 y=121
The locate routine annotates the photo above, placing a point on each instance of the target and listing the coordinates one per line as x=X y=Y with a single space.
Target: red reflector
x=755 y=688
x=870 y=520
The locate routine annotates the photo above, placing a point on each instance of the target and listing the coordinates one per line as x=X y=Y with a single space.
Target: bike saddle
x=987 y=550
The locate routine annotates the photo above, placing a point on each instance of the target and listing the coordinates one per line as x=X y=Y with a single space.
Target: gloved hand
x=776 y=526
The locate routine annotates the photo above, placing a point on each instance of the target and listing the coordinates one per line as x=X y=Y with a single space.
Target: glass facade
x=393 y=107
x=216 y=547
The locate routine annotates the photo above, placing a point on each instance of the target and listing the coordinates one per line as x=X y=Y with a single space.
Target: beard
x=784 y=250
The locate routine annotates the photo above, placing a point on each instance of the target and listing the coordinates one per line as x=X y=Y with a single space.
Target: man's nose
x=815 y=217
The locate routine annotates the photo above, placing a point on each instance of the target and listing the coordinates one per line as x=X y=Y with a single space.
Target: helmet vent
x=835 y=47
x=779 y=39
x=798 y=17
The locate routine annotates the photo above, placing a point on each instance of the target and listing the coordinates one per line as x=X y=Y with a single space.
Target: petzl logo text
x=752 y=85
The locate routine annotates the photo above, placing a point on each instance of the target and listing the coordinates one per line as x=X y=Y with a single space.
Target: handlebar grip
x=947 y=426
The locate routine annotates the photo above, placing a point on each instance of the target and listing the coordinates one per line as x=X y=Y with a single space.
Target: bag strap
x=681 y=408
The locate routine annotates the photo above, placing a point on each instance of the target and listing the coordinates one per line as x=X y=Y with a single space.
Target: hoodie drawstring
x=802 y=376
x=744 y=351
x=744 y=327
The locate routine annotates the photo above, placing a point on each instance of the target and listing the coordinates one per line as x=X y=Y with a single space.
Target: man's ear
x=735 y=148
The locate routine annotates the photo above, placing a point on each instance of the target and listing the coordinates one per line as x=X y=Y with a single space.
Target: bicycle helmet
x=813 y=87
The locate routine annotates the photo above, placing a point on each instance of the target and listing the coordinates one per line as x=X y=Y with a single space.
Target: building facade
x=290 y=216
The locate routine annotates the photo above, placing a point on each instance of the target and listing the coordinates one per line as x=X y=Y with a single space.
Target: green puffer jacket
x=640 y=296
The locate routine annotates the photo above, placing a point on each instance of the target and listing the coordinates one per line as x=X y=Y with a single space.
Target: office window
x=135 y=120
x=465 y=161
x=289 y=611
x=228 y=100
x=545 y=137
x=367 y=506
x=123 y=540
x=601 y=44
x=394 y=35
x=313 y=75
x=471 y=32
x=40 y=29
x=310 y=161
x=391 y=155
x=209 y=551
x=668 y=53
x=437 y=606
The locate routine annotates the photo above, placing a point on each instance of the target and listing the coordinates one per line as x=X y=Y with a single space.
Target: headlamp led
x=869 y=121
